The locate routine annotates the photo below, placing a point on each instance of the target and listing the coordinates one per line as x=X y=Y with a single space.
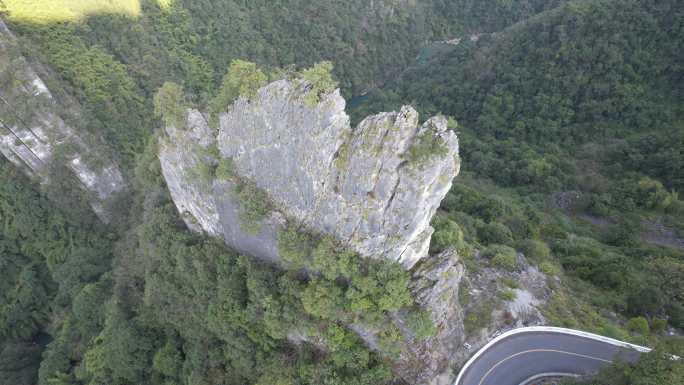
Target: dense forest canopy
x=571 y=124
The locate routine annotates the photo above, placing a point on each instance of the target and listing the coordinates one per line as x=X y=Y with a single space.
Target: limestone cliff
x=33 y=134
x=374 y=187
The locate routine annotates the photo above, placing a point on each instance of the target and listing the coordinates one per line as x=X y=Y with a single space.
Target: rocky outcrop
x=374 y=187
x=34 y=136
x=435 y=284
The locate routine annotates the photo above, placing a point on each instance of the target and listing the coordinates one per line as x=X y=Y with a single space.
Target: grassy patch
x=426 y=146
x=463 y=293
x=478 y=318
x=225 y=169
x=507 y=295
x=501 y=256
x=51 y=11
x=510 y=283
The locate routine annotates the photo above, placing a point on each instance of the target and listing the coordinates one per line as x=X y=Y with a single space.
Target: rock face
x=436 y=283
x=371 y=186
x=32 y=133
x=374 y=187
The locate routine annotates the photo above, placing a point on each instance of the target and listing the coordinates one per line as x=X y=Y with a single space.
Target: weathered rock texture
x=435 y=284
x=32 y=132
x=363 y=185
x=359 y=184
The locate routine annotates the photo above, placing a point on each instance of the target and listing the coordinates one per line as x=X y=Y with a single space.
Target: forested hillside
x=116 y=62
x=571 y=128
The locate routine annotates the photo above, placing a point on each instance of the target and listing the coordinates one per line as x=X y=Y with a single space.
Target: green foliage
x=393 y=281
x=652 y=195
x=549 y=268
x=535 y=250
x=319 y=82
x=120 y=353
x=44 y=12
x=421 y=324
x=655 y=367
x=426 y=146
x=494 y=233
x=243 y=79
x=506 y=295
x=44 y=256
x=447 y=235
x=324 y=299
x=370 y=289
x=478 y=318
x=87 y=308
x=225 y=169
x=167 y=360
x=658 y=325
x=294 y=247
x=331 y=260
x=638 y=325
x=390 y=341
x=573 y=164
x=501 y=256
x=170 y=105
x=255 y=205
x=113 y=103
x=583 y=98
x=612 y=331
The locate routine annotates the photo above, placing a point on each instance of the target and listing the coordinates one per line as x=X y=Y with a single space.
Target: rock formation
x=32 y=131
x=374 y=187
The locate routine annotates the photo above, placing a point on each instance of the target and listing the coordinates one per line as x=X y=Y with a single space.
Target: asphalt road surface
x=517 y=358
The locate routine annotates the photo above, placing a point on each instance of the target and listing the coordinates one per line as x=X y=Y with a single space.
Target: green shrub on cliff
x=225 y=169
x=294 y=247
x=170 y=104
x=448 y=234
x=254 y=205
x=425 y=146
x=242 y=79
x=501 y=256
x=319 y=79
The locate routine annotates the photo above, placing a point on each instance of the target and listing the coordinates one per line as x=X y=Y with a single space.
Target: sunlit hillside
x=47 y=11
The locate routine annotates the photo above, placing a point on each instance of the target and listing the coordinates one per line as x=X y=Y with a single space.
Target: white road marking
x=537 y=351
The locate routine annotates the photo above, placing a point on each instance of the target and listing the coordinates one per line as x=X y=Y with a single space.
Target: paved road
x=514 y=358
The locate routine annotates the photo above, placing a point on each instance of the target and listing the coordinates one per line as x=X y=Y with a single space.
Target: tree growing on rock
x=319 y=78
x=170 y=104
x=242 y=79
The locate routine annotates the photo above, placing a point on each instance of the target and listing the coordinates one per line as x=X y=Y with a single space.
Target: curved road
x=522 y=355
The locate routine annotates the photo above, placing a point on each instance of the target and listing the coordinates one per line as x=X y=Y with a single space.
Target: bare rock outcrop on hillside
x=32 y=132
x=374 y=187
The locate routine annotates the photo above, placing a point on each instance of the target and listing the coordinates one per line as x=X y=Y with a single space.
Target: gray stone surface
x=31 y=130
x=263 y=244
x=435 y=284
x=180 y=153
x=355 y=184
